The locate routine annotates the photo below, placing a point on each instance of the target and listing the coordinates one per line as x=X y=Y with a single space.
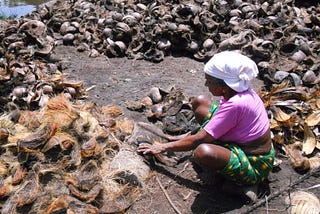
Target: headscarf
x=235 y=69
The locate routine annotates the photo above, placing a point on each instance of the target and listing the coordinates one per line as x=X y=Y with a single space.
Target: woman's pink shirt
x=240 y=119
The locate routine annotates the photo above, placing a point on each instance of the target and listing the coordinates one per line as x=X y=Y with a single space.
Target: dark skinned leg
x=211 y=157
x=201 y=107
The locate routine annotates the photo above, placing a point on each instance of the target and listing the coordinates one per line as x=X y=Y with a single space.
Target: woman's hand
x=147 y=148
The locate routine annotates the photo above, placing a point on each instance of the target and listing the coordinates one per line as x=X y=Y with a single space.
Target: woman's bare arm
x=186 y=144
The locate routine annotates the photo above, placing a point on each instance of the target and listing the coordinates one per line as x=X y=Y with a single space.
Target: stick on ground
x=281 y=190
x=167 y=196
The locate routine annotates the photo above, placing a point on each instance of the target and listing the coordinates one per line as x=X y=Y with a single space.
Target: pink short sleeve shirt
x=240 y=119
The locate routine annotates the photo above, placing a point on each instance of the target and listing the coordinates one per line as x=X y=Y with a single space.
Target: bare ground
x=173 y=189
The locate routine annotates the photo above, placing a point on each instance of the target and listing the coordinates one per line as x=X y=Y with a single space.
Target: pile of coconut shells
x=59 y=152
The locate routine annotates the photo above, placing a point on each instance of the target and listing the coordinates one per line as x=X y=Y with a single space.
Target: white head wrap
x=235 y=69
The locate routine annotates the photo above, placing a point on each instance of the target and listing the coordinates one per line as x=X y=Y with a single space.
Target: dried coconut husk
x=65 y=135
x=4 y=134
x=93 y=137
x=19 y=132
x=63 y=139
x=3 y=168
x=90 y=148
x=26 y=194
x=7 y=127
x=123 y=128
x=106 y=120
x=119 y=202
x=59 y=110
x=6 y=188
x=113 y=111
x=131 y=166
x=54 y=184
x=87 y=196
x=43 y=202
x=75 y=155
x=18 y=174
x=110 y=150
x=85 y=126
x=70 y=204
x=6 y=124
x=123 y=178
x=85 y=183
x=88 y=175
x=30 y=119
x=38 y=138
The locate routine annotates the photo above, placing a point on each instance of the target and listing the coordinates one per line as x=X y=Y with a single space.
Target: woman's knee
x=211 y=156
x=204 y=152
x=201 y=100
x=201 y=107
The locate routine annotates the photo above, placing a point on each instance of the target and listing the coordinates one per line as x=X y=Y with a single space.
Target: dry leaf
x=314 y=162
x=309 y=141
x=280 y=115
x=318 y=145
x=313 y=119
x=318 y=103
x=278 y=138
x=273 y=124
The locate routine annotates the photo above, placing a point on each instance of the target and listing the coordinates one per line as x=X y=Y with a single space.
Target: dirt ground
x=174 y=189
